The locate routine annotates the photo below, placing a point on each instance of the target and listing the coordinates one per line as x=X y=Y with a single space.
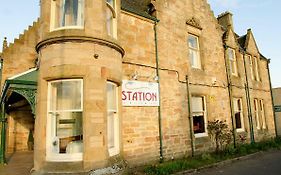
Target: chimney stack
x=225 y=20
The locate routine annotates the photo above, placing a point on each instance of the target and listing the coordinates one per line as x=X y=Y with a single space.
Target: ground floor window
x=259 y=113
x=112 y=119
x=65 y=121
x=238 y=113
x=199 y=116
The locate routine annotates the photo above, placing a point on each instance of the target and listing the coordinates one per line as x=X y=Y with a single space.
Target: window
x=232 y=61
x=251 y=67
x=256 y=111
x=65 y=128
x=262 y=114
x=238 y=113
x=112 y=119
x=256 y=69
x=111 y=21
x=67 y=14
x=194 y=52
x=199 y=116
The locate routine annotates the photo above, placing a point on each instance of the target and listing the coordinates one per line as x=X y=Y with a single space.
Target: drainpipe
x=273 y=110
x=158 y=81
x=3 y=136
x=248 y=97
x=229 y=86
x=190 y=116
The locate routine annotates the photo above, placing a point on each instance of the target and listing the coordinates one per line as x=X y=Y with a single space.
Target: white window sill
x=199 y=135
x=67 y=27
x=240 y=130
x=113 y=151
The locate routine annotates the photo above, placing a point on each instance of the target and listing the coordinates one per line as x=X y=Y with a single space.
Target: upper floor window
x=111 y=18
x=194 y=52
x=238 y=113
x=199 y=115
x=260 y=114
x=256 y=69
x=251 y=67
x=232 y=61
x=67 y=14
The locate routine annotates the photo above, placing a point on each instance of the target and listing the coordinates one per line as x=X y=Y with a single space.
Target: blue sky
x=262 y=16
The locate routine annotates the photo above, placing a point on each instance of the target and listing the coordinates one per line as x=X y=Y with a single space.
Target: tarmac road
x=264 y=163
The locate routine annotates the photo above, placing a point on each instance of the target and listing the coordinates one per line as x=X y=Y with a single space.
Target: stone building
x=277 y=108
x=97 y=83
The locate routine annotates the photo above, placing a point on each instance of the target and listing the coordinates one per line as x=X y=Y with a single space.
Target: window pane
x=197 y=104
x=192 y=42
x=68 y=13
x=230 y=54
x=238 y=120
x=111 y=96
x=198 y=124
x=110 y=129
x=69 y=131
x=66 y=95
x=111 y=2
x=109 y=21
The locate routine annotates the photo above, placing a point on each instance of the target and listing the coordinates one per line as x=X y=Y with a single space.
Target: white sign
x=139 y=93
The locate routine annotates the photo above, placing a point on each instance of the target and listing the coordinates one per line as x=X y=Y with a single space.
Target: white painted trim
x=116 y=149
x=56 y=157
x=21 y=74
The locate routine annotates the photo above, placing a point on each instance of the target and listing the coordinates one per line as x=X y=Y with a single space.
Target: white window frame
x=196 y=50
x=251 y=67
x=112 y=7
x=50 y=156
x=256 y=111
x=256 y=69
x=235 y=100
x=204 y=134
x=116 y=149
x=80 y=17
x=232 y=61
x=262 y=112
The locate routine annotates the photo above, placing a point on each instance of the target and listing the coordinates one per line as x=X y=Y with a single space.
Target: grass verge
x=206 y=159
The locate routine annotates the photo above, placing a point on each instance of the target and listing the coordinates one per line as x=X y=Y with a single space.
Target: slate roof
x=242 y=40
x=139 y=7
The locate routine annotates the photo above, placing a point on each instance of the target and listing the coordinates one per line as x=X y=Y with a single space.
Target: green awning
x=24 y=84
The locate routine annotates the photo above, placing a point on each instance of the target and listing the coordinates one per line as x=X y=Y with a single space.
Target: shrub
x=219 y=134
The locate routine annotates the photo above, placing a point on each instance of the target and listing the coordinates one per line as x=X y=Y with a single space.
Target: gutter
x=273 y=110
x=248 y=97
x=229 y=86
x=190 y=117
x=158 y=81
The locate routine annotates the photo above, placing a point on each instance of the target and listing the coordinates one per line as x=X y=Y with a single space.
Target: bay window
x=65 y=121
x=67 y=14
x=111 y=18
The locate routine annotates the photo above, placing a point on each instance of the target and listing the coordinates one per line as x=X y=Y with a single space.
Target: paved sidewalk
x=19 y=163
